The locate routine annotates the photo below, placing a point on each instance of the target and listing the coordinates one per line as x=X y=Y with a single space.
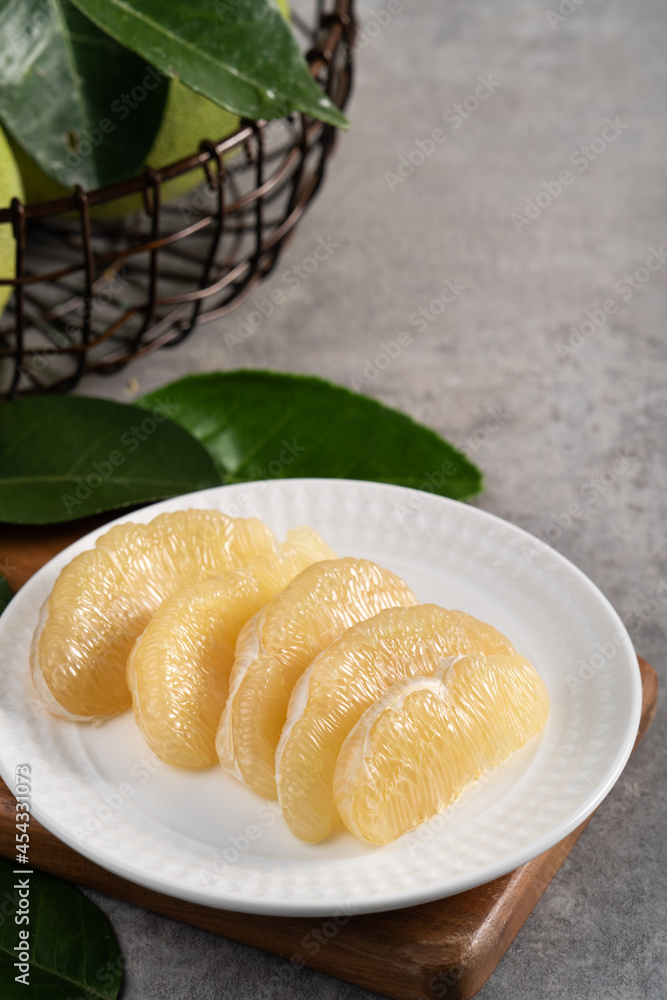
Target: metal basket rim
x=339 y=21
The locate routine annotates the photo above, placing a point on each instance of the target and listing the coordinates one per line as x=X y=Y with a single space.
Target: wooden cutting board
x=447 y=948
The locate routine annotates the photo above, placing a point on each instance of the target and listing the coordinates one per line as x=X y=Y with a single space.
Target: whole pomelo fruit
x=188 y=119
x=10 y=187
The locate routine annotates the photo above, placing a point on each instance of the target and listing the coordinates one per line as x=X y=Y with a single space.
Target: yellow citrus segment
x=178 y=671
x=105 y=597
x=428 y=738
x=276 y=646
x=343 y=681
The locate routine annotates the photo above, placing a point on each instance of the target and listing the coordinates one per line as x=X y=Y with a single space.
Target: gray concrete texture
x=559 y=402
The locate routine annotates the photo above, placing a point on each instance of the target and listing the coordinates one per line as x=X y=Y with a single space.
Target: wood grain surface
x=447 y=948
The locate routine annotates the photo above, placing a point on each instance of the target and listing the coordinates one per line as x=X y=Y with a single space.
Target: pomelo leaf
x=64 y=457
x=71 y=946
x=264 y=425
x=242 y=56
x=84 y=109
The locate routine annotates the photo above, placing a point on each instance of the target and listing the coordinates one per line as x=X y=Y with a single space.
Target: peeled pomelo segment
x=343 y=681
x=105 y=597
x=428 y=738
x=178 y=671
x=276 y=646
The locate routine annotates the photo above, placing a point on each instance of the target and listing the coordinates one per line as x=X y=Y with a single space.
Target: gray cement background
x=599 y=931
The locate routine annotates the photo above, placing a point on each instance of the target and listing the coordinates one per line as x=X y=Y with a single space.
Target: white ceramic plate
x=202 y=836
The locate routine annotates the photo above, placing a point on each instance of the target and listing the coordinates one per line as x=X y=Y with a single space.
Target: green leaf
x=5 y=594
x=260 y=425
x=72 y=948
x=243 y=56
x=64 y=457
x=66 y=94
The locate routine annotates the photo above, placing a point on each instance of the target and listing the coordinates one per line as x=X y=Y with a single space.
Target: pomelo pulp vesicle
x=343 y=681
x=276 y=646
x=428 y=738
x=179 y=668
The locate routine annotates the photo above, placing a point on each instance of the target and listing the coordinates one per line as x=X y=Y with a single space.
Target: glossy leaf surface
x=64 y=457
x=260 y=425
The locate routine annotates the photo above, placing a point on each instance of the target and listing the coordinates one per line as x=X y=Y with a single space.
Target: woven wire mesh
x=90 y=295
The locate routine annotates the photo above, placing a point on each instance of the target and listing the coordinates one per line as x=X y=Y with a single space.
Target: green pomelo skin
x=10 y=187
x=188 y=119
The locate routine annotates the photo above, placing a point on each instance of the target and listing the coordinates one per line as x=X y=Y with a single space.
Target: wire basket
x=89 y=295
